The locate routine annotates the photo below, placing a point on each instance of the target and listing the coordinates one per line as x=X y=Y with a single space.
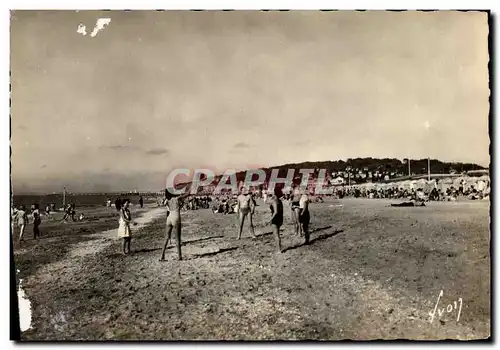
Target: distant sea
x=80 y=200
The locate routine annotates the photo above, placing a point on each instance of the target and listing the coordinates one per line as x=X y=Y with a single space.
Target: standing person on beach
x=13 y=218
x=118 y=204
x=264 y=196
x=246 y=206
x=67 y=212
x=141 y=202
x=47 y=212
x=124 y=226
x=36 y=221
x=173 y=205
x=304 y=216
x=295 y=206
x=73 y=211
x=21 y=218
x=276 y=221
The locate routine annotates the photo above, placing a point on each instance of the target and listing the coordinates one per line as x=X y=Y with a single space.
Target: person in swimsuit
x=73 y=211
x=36 y=221
x=304 y=216
x=276 y=221
x=246 y=205
x=47 y=212
x=295 y=205
x=22 y=219
x=173 y=205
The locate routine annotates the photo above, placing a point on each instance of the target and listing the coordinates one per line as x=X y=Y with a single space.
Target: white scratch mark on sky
x=82 y=29
x=100 y=24
x=24 y=309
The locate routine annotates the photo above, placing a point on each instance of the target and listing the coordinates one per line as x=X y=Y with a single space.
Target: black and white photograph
x=255 y=175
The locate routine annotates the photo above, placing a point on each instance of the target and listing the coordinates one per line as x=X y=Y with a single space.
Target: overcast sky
x=157 y=90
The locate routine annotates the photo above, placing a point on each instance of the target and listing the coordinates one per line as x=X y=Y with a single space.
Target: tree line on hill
x=367 y=169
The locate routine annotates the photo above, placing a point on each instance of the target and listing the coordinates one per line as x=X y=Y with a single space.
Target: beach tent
x=482 y=183
x=447 y=181
x=416 y=184
x=457 y=182
x=386 y=186
x=405 y=185
x=429 y=186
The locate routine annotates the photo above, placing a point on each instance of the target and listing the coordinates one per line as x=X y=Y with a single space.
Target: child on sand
x=124 y=226
x=21 y=218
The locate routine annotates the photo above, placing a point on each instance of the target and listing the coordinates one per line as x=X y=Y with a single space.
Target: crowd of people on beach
x=119 y=202
x=20 y=216
x=244 y=204
x=434 y=190
x=413 y=193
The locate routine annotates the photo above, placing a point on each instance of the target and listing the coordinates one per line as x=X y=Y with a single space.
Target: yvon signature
x=450 y=308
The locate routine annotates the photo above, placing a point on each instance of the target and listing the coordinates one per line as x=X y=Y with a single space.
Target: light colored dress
x=21 y=218
x=123 y=226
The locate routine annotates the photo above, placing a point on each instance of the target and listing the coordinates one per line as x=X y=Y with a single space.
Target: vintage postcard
x=250 y=175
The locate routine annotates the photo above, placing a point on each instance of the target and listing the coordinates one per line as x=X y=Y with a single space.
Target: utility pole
x=429 y=168
x=409 y=168
x=64 y=197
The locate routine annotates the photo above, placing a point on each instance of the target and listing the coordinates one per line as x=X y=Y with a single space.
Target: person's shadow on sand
x=146 y=250
x=312 y=231
x=319 y=238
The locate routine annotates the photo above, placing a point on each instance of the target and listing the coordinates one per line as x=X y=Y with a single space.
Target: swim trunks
x=304 y=218
x=245 y=210
x=277 y=220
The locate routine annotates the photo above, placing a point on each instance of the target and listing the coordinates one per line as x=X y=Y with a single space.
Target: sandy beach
x=371 y=272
